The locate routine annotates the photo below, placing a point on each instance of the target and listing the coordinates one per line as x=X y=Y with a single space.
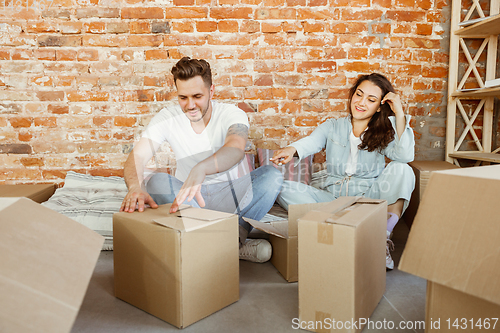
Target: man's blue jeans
x=250 y=196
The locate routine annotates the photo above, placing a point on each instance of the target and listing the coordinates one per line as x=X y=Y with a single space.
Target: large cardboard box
x=341 y=264
x=455 y=244
x=46 y=262
x=283 y=238
x=179 y=267
x=36 y=192
x=423 y=171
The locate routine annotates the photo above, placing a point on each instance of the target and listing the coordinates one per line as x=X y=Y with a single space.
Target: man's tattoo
x=238 y=129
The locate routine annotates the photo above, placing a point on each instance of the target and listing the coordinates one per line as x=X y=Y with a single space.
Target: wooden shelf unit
x=489 y=26
x=475 y=156
x=487 y=29
x=483 y=92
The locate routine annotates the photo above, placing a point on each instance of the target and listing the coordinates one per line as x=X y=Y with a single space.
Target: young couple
x=209 y=138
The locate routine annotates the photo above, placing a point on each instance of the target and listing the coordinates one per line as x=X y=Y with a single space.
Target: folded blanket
x=91 y=201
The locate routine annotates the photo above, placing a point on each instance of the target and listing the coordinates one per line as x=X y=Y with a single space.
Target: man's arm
x=224 y=159
x=134 y=176
x=230 y=153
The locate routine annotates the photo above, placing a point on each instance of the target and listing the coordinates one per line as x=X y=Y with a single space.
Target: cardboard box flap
x=202 y=214
x=430 y=166
x=356 y=212
x=269 y=228
x=322 y=213
x=455 y=237
x=337 y=211
x=295 y=212
x=370 y=201
x=339 y=204
x=183 y=223
x=188 y=218
x=46 y=264
x=181 y=207
x=485 y=172
x=36 y=192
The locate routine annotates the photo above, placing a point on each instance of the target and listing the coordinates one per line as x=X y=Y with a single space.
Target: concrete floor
x=267 y=302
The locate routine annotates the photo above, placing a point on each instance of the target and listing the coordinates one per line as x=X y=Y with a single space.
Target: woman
x=356 y=148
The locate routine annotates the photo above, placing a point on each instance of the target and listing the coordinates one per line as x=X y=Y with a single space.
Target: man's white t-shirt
x=353 y=155
x=173 y=126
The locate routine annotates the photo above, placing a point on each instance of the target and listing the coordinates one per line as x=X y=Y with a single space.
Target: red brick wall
x=79 y=81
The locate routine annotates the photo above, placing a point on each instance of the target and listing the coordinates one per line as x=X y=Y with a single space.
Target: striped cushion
x=300 y=173
x=91 y=201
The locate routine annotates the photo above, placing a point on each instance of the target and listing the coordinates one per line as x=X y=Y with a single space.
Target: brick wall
x=81 y=79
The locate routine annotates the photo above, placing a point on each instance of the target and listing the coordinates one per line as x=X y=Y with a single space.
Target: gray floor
x=267 y=302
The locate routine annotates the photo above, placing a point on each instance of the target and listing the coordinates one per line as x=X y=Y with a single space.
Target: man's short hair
x=187 y=68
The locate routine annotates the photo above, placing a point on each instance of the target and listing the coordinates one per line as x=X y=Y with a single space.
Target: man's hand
x=136 y=198
x=225 y=158
x=190 y=189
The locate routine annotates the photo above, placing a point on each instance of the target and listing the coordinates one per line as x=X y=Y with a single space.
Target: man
x=208 y=139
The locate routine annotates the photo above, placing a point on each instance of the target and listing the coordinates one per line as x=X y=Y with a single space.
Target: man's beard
x=203 y=113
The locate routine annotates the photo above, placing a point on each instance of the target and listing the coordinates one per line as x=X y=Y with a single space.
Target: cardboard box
x=179 y=267
x=341 y=263
x=455 y=244
x=46 y=263
x=283 y=238
x=36 y=192
x=423 y=171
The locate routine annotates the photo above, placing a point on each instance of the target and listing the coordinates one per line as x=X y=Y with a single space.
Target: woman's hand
x=394 y=102
x=283 y=156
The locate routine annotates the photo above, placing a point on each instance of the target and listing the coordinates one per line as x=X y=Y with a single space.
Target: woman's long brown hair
x=380 y=132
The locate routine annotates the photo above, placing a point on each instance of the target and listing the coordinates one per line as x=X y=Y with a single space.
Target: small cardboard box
x=46 y=262
x=341 y=263
x=283 y=238
x=455 y=244
x=423 y=171
x=179 y=267
x=36 y=192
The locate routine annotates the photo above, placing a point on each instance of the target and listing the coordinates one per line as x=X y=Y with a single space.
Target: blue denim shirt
x=334 y=135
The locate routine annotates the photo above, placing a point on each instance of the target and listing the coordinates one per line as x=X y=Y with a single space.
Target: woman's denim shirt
x=334 y=135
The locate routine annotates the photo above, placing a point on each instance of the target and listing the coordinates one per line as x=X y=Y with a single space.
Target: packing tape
x=325 y=233
x=322 y=317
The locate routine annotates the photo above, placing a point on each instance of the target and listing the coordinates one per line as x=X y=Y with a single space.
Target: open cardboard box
x=454 y=243
x=179 y=267
x=36 y=192
x=341 y=263
x=283 y=238
x=46 y=263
